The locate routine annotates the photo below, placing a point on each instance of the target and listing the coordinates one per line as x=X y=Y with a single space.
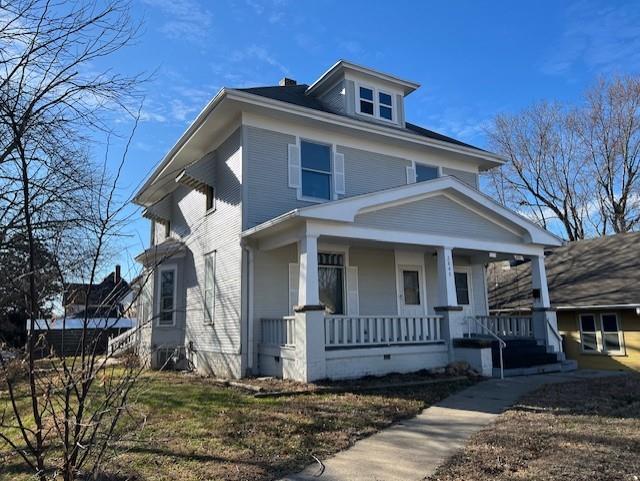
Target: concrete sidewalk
x=413 y=449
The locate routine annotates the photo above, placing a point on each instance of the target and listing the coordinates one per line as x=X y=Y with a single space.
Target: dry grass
x=585 y=430
x=197 y=430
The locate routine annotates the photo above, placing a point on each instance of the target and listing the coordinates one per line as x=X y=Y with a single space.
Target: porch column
x=309 y=337
x=452 y=317
x=545 y=323
x=308 y=283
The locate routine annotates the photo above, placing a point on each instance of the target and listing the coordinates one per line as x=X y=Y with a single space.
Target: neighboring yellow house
x=595 y=287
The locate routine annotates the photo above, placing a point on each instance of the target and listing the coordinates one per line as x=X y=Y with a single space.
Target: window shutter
x=353 y=300
x=411 y=175
x=294 y=276
x=294 y=166
x=338 y=173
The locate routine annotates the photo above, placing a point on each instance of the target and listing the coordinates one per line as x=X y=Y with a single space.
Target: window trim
x=162 y=269
x=209 y=317
x=210 y=194
x=599 y=333
x=376 y=102
x=332 y=154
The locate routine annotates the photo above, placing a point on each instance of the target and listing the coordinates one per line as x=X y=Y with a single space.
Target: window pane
x=166 y=317
x=589 y=342
x=315 y=156
x=386 y=113
x=330 y=286
x=384 y=98
x=462 y=288
x=425 y=172
x=366 y=107
x=609 y=323
x=167 y=304
x=411 y=288
x=588 y=323
x=330 y=259
x=366 y=93
x=611 y=341
x=166 y=283
x=315 y=184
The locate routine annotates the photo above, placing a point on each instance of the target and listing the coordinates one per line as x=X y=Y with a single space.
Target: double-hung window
x=167 y=297
x=375 y=102
x=209 y=288
x=316 y=170
x=331 y=282
x=601 y=333
x=425 y=172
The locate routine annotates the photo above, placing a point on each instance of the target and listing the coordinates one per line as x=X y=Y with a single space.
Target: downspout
x=250 y=325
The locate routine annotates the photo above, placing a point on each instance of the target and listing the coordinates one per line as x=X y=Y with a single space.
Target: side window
x=588 y=333
x=316 y=170
x=209 y=288
x=210 y=199
x=167 y=297
x=611 y=334
x=425 y=172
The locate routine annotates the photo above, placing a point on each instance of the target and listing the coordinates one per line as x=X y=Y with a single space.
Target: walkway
x=413 y=449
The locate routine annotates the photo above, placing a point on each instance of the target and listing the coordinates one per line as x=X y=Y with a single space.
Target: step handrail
x=501 y=343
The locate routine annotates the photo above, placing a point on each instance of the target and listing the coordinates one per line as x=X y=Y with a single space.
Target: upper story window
x=210 y=199
x=316 y=170
x=376 y=103
x=425 y=172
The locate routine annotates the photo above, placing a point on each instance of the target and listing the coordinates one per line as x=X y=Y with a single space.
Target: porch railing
x=278 y=332
x=503 y=326
x=367 y=331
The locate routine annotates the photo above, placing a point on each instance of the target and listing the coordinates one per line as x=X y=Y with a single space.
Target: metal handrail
x=501 y=343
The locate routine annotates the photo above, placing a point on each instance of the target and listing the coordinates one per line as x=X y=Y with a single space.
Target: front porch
x=352 y=287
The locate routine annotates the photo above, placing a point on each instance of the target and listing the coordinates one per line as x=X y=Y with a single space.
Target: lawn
x=585 y=430
x=196 y=430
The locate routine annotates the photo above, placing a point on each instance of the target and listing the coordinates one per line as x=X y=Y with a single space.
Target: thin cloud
x=186 y=19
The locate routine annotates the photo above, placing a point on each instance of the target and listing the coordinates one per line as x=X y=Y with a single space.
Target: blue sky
x=474 y=59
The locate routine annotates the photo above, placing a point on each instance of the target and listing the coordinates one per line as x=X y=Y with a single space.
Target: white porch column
x=539 y=282
x=452 y=316
x=308 y=294
x=446 y=280
x=545 y=322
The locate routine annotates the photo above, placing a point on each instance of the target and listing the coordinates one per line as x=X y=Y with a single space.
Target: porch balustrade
x=278 y=332
x=369 y=331
x=504 y=326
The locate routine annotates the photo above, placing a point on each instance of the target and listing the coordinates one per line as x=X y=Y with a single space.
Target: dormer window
x=376 y=103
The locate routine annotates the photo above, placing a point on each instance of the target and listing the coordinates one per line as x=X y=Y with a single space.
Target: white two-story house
x=311 y=231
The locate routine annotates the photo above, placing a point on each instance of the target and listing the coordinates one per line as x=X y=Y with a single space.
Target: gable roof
x=346 y=209
x=588 y=273
x=297 y=95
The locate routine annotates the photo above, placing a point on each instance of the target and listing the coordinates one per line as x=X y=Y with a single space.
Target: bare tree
x=609 y=130
x=545 y=178
x=53 y=102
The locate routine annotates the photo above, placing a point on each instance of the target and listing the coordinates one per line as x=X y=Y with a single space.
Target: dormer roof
x=342 y=67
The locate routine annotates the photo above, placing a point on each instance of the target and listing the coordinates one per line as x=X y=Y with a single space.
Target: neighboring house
x=595 y=287
x=311 y=231
x=103 y=309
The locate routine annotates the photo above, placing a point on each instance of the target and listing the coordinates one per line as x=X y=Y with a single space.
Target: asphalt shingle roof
x=296 y=94
x=594 y=272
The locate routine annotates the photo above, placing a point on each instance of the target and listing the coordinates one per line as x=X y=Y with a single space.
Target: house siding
x=215 y=348
x=469 y=178
x=334 y=99
x=629 y=323
x=376 y=280
x=436 y=215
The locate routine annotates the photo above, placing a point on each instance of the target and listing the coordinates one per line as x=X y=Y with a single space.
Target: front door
x=411 y=290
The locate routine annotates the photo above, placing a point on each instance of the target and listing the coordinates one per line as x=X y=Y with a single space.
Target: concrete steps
x=563 y=366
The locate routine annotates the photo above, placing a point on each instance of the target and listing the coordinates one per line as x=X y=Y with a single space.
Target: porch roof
x=351 y=210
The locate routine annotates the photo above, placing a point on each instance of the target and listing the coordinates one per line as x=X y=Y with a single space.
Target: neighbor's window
x=209 y=288
x=316 y=170
x=462 y=288
x=210 y=199
x=366 y=101
x=385 y=106
x=331 y=282
x=167 y=297
x=611 y=334
x=425 y=172
x=588 y=332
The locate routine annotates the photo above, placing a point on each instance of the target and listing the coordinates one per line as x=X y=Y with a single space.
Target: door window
x=411 y=283
x=331 y=282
